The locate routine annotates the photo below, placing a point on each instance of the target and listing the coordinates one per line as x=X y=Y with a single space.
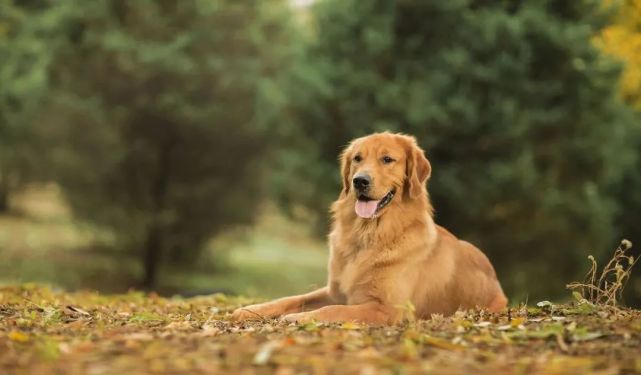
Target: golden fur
x=377 y=265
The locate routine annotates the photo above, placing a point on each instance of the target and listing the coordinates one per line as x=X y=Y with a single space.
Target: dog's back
x=474 y=281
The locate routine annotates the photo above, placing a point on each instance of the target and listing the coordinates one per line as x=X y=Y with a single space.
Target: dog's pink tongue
x=366 y=209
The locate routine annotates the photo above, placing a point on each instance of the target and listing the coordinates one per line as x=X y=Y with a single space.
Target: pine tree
x=158 y=117
x=24 y=57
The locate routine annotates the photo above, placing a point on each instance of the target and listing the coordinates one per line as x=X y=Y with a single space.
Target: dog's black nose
x=361 y=181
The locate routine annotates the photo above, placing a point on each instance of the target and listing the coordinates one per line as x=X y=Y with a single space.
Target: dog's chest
x=356 y=275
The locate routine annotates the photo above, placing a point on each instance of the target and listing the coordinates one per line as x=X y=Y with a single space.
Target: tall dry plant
x=607 y=288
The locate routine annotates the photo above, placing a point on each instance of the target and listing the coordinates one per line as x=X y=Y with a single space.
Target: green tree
x=160 y=117
x=516 y=108
x=24 y=56
x=622 y=40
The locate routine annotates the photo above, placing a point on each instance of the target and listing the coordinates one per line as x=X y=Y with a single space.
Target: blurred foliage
x=42 y=242
x=516 y=108
x=622 y=39
x=166 y=123
x=24 y=56
x=157 y=117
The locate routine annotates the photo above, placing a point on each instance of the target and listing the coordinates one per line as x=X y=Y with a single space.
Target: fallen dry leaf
x=18 y=336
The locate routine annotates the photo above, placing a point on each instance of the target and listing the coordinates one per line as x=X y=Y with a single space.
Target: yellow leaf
x=350 y=325
x=409 y=349
x=517 y=322
x=18 y=336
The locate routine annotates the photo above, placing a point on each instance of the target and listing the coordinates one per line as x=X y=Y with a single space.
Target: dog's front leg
x=286 y=305
x=369 y=313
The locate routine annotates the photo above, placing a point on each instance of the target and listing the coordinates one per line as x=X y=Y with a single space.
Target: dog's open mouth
x=369 y=208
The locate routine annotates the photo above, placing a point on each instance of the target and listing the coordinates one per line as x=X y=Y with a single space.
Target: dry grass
x=606 y=288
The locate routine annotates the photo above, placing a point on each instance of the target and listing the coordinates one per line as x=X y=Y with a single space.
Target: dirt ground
x=48 y=332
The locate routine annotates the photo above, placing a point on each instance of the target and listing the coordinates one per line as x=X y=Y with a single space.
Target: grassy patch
x=40 y=242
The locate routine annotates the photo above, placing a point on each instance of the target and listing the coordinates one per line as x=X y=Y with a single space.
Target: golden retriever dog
x=386 y=250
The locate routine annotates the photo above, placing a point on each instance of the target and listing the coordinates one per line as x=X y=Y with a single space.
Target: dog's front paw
x=303 y=317
x=252 y=312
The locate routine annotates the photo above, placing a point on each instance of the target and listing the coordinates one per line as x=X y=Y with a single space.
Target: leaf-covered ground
x=43 y=331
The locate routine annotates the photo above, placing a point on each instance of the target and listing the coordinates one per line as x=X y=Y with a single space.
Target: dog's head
x=382 y=169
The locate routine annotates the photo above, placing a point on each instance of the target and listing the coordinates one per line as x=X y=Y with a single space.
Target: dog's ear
x=346 y=163
x=418 y=169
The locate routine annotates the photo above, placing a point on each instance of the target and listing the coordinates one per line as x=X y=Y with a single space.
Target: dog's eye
x=357 y=158
x=387 y=160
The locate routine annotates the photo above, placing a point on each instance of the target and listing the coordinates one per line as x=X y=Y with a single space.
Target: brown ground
x=43 y=332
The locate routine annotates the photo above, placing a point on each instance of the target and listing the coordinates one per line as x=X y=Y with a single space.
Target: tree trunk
x=152 y=256
x=158 y=191
x=4 y=193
